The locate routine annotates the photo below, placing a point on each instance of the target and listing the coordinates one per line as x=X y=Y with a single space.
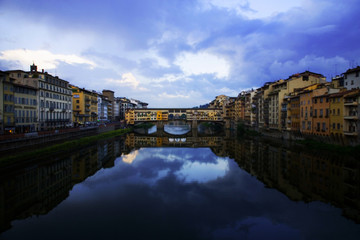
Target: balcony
x=87 y=105
x=52 y=109
x=350 y=103
x=87 y=110
x=350 y=117
x=87 y=99
x=347 y=133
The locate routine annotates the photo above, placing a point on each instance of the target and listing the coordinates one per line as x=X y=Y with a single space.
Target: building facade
x=352 y=116
x=85 y=106
x=54 y=97
x=7 y=118
x=352 y=78
x=26 y=108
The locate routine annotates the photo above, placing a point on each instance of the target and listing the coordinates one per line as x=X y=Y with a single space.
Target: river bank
x=310 y=142
x=61 y=147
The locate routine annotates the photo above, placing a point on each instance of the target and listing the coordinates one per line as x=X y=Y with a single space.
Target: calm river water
x=194 y=186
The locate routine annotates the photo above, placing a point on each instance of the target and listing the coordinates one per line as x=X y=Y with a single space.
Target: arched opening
x=177 y=127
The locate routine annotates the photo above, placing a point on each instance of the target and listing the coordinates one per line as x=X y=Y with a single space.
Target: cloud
x=127 y=80
x=173 y=78
x=176 y=95
x=43 y=58
x=228 y=91
x=203 y=172
x=203 y=63
x=254 y=9
x=129 y=158
x=310 y=62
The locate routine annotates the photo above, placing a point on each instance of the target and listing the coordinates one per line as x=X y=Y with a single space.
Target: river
x=188 y=187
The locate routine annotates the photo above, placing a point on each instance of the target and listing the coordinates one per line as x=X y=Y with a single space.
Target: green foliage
x=144 y=125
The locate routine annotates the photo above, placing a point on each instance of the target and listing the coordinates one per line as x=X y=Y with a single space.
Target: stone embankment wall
x=31 y=140
x=293 y=136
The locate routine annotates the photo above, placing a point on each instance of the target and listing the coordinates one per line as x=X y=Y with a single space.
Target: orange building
x=294 y=113
x=321 y=120
x=306 y=106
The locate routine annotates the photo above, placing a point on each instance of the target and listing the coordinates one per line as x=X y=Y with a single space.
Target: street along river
x=191 y=187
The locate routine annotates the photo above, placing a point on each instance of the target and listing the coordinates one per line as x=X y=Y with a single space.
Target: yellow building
x=130 y=116
x=84 y=104
x=7 y=118
x=26 y=108
x=337 y=113
x=277 y=107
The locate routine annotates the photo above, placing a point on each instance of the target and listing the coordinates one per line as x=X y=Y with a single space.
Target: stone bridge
x=161 y=116
x=138 y=141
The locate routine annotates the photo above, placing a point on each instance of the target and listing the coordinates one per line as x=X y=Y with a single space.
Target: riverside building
x=53 y=97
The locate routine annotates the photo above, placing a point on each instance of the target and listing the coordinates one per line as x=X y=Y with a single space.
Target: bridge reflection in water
x=299 y=174
x=37 y=186
x=181 y=129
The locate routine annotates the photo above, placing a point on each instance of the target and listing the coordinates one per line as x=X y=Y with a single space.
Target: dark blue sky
x=179 y=53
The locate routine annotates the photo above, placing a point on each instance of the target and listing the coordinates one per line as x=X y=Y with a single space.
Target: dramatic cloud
x=203 y=63
x=126 y=80
x=43 y=58
x=179 y=53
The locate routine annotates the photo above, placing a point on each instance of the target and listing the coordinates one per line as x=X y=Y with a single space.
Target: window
x=315 y=113
x=321 y=100
x=357 y=74
x=338 y=112
x=77 y=101
x=338 y=126
x=352 y=82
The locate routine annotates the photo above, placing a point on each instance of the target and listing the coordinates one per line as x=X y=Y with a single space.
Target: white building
x=352 y=78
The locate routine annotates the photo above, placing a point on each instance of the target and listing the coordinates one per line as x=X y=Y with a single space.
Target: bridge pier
x=194 y=124
x=159 y=125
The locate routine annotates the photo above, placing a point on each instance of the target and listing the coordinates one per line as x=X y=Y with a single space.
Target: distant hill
x=203 y=106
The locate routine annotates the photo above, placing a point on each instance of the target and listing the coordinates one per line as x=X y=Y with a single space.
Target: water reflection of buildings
x=215 y=143
x=304 y=176
x=301 y=175
x=38 y=186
